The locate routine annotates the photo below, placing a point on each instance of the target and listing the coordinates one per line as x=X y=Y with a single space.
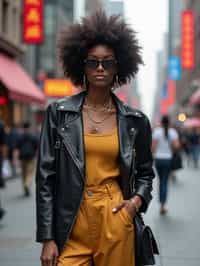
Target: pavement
x=177 y=233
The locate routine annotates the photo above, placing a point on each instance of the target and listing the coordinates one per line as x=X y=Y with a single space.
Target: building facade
x=174 y=33
x=190 y=80
x=93 y=5
x=17 y=89
x=114 y=7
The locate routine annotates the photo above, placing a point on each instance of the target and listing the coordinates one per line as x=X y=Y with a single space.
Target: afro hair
x=75 y=40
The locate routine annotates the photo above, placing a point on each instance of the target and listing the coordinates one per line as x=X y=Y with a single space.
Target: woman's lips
x=99 y=77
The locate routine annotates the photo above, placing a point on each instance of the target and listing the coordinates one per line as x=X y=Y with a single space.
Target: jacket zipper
x=75 y=216
x=81 y=198
x=74 y=158
x=132 y=179
x=57 y=146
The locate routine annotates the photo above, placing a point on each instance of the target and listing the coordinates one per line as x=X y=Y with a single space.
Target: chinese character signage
x=174 y=68
x=33 y=21
x=187 y=42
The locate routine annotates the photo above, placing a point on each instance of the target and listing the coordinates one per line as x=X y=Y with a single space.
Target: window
x=15 y=25
x=49 y=19
x=5 y=17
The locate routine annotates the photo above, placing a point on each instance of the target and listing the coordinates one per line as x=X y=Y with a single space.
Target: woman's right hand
x=49 y=253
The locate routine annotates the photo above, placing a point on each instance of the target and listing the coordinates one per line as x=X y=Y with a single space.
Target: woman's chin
x=100 y=84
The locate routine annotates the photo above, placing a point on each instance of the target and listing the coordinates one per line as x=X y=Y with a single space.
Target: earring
x=116 y=82
x=84 y=82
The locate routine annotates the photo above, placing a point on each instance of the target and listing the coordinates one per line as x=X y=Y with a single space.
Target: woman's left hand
x=129 y=205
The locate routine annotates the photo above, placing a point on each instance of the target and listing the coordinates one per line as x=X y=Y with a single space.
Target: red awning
x=195 y=98
x=19 y=84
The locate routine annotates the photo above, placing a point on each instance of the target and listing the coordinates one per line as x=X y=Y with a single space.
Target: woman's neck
x=98 y=97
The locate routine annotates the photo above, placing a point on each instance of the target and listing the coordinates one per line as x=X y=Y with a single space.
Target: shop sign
x=174 y=68
x=58 y=87
x=33 y=21
x=187 y=39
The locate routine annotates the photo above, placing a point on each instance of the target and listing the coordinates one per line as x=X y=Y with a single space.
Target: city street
x=70 y=70
x=178 y=232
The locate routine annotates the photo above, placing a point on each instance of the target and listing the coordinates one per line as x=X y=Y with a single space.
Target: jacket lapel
x=71 y=130
x=124 y=145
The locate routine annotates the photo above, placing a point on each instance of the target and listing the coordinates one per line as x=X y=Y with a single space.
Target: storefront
x=18 y=92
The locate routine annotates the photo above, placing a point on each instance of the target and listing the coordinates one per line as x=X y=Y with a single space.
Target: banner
x=33 y=21
x=187 y=39
x=174 y=68
x=168 y=97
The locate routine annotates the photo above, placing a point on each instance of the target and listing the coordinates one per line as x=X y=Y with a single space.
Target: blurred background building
x=114 y=7
x=178 y=80
x=36 y=75
x=37 y=78
x=17 y=89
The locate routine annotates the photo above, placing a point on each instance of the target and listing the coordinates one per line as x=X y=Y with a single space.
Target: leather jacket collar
x=74 y=104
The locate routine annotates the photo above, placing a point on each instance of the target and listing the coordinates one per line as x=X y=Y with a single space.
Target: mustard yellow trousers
x=100 y=237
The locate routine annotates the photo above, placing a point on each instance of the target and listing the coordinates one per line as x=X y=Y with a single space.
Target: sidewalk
x=178 y=232
x=17 y=229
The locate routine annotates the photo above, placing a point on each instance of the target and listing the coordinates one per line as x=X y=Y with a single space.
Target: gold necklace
x=95 y=128
x=94 y=107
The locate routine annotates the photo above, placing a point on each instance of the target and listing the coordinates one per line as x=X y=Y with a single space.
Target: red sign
x=33 y=21
x=3 y=100
x=170 y=97
x=187 y=42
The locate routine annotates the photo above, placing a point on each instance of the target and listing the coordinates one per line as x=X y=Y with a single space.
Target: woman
x=165 y=139
x=95 y=164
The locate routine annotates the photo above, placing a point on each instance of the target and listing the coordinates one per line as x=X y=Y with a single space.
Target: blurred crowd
x=18 y=149
x=190 y=143
x=169 y=145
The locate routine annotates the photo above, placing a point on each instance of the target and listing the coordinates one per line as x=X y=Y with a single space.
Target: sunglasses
x=107 y=64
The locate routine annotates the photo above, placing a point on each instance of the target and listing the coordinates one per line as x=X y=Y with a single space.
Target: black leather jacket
x=60 y=173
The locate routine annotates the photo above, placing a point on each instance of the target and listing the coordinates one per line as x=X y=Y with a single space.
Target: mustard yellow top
x=102 y=152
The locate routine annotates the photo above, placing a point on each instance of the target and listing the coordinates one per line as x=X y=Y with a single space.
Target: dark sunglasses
x=107 y=64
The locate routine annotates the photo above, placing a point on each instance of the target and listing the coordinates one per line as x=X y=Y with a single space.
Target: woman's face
x=100 y=66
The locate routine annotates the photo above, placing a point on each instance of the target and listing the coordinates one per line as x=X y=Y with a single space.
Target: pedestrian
x=26 y=148
x=194 y=141
x=12 y=140
x=185 y=144
x=2 y=157
x=165 y=140
x=91 y=145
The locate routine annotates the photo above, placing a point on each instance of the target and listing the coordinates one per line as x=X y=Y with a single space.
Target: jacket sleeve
x=144 y=173
x=45 y=178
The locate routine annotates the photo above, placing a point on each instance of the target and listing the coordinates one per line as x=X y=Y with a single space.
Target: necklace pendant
x=95 y=130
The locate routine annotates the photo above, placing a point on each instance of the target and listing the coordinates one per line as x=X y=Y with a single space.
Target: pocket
x=122 y=215
x=127 y=219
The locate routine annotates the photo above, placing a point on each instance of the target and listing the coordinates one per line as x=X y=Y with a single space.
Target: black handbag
x=145 y=244
x=176 y=162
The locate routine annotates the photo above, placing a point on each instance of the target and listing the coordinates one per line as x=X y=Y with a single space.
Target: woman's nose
x=100 y=67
